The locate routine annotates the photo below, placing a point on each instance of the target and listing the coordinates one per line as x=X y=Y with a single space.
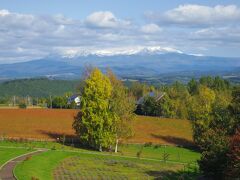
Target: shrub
x=28 y=158
x=22 y=105
x=139 y=153
x=53 y=148
x=148 y=144
x=213 y=160
x=165 y=156
x=233 y=165
x=157 y=146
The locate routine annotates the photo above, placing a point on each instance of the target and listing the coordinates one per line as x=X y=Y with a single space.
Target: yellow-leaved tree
x=95 y=123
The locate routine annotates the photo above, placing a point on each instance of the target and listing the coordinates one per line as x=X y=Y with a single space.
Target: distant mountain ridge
x=136 y=50
x=133 y=65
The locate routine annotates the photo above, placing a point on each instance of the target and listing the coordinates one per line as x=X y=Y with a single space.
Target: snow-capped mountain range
x=136 y=50
x=125 y=62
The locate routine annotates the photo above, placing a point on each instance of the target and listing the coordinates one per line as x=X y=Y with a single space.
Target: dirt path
x=6 y=171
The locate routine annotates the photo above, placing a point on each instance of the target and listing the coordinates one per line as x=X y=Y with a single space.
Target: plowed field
x=52 y=124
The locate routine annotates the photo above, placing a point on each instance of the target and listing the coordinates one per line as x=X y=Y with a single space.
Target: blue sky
x=35 y=29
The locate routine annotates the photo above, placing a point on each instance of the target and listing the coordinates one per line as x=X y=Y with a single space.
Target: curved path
x=6 y=171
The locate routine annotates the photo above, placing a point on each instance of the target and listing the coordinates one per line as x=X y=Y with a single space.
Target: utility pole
x=14 y=100
x=50 y=101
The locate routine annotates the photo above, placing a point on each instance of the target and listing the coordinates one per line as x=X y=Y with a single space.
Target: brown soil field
x=50 y=124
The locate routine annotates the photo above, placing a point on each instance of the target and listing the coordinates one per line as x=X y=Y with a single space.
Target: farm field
x=146 y=159
x=54 y=123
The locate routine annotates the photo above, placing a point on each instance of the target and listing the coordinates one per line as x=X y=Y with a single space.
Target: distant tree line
x=179 y=99
x=213 y=106
x=37 y=87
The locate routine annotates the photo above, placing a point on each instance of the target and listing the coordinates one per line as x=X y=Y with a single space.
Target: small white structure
x=75 y=98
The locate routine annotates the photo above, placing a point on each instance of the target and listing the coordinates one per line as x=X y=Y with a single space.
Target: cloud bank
x=189 y=28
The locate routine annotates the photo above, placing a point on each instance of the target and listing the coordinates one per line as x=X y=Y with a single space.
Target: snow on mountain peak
x=141 y=50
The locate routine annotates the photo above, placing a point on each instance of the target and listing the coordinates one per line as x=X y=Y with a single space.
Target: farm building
x=157 y=96
x=76 y=98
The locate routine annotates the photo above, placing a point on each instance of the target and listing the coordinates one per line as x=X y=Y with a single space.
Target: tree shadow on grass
x=181 y=175
x=182 y=142
x=66 y=139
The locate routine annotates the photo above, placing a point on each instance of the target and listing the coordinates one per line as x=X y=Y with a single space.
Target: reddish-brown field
x=50 y=124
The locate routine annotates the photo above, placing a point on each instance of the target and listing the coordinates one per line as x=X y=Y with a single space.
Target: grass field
x=9 y=153
x=52 y=124
x=73 y=165
x=157 y=152
x=66 y=162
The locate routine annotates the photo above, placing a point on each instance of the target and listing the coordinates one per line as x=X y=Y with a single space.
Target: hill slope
x=53 y=124
x=42 y=87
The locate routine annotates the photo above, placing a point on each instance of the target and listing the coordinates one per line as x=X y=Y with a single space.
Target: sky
x=31 y=29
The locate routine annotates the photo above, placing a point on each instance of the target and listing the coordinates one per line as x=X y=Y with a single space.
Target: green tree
x=220 y=84
x=59 y=102
x=167 y=108
x=151 y=106
x=221 y=117
x=235 y=107
x=123 y=105
x=207 y=81
x=200 y=109
x=213 y=160
x=193 y=86
x=174 y=103
x=220 y=157
x=138 y=90
x=94 y=124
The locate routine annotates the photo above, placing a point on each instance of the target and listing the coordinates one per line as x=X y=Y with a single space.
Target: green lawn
x=39 y=144
x=176 y=154
x=9 y=153
x=72 y=165
x=41 y=166
x=68 y=162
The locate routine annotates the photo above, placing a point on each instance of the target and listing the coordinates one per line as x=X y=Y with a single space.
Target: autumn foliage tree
x=106 y=111
x=200 y=111
x=123 y=105
x=213 y=160
x=220 y=147
x=233 y=165
x=94 y=124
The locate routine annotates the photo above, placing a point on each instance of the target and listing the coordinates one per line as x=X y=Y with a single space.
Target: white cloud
x=191 y=14
x=222 y=34
x=151 y=28
x=4 y=12
x=26 y=36
x=105 y=19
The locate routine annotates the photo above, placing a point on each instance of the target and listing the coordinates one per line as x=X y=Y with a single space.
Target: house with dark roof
x=157 y=96
x=76 y=98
